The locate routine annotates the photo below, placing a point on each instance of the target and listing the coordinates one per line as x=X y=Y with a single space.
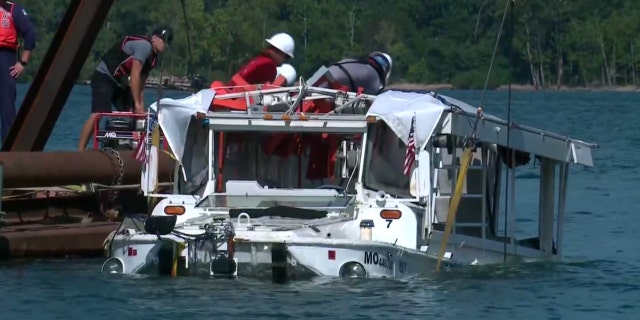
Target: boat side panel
x=378 y=261
x=401 y=232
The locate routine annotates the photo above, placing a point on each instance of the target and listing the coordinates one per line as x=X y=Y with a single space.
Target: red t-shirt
x=260 y=70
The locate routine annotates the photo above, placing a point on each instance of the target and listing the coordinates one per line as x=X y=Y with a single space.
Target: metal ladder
x=471 y=218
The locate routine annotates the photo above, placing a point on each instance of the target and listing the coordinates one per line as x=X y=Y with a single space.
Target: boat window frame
x=367 y=158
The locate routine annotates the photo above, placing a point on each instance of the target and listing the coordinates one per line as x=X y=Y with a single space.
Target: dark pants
x=105 y=94
x=7 y=91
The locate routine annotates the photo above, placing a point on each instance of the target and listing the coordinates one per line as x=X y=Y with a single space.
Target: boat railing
x=292 y=100
x=283 y=122
x=314 y=92
x=536 y=141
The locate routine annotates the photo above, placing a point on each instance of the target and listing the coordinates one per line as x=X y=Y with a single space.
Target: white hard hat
x=288 y=71
x=384 y=61
x=283 y=42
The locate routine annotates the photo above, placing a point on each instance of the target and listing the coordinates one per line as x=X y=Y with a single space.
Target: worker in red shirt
x=259 y=70
x=263 y=68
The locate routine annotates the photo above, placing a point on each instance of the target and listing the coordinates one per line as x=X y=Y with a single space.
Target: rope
x=170 y=155
x=18 y=196
x=466 y=156
x=77 y=189
x=493 y=56
x=186 y=23
x=506 y=197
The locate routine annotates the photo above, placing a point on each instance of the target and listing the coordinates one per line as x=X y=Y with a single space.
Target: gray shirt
x=141 y=50
x=362 y=74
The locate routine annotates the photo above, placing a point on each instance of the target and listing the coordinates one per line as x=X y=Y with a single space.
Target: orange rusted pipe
x=44 y=169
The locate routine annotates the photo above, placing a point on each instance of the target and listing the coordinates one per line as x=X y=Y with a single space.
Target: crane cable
x=466 y=158
x=513 y=161
x=186 y=23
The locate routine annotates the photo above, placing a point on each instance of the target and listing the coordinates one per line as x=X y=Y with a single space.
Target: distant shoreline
x=515 y=87
x=183 y=85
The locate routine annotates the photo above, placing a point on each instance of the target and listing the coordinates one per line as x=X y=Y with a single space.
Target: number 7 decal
x=389 y=223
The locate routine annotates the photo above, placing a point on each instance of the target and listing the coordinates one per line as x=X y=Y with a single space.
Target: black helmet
x=165 y=33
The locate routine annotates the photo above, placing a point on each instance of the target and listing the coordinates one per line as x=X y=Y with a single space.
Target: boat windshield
x=384 y=161
x=280 y=160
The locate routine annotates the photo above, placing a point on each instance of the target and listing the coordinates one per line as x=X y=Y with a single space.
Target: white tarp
x=396 y=109
x=174 y=116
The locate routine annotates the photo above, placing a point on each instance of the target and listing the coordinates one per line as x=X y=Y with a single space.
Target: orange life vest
x=8 y=32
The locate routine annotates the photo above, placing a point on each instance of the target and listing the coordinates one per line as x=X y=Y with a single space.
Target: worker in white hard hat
x=286 y=74
x=263 y=68
x=371 y=74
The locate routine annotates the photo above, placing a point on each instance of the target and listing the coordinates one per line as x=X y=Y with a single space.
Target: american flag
x=410 y=155
x=141 y=151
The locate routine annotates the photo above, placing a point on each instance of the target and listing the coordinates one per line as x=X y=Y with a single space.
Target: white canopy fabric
x=397 y=108
x=174 y=116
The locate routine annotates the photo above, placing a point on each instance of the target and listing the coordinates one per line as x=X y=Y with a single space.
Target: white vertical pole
x=562 y=194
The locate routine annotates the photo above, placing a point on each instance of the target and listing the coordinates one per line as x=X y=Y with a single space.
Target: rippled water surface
x=599 y=277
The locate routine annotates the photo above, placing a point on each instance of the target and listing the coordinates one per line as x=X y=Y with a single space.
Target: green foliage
x=554 y=43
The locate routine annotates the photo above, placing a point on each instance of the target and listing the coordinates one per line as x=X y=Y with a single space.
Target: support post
x=57 y=75
x=562 y=195
x=279 y=263
x=547 y=205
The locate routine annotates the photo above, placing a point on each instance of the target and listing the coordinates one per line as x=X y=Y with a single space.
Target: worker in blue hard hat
x=119 y=79
x=371 y=74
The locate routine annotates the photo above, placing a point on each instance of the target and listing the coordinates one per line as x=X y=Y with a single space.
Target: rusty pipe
x=57 y=168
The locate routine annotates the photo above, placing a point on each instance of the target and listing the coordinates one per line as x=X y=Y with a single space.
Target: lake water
x=599 y=277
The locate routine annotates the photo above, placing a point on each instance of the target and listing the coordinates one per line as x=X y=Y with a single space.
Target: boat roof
x=282 y=122
x=397 y=109
x=174 y=115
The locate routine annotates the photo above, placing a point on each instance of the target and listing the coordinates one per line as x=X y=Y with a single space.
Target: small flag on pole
x=410 y=155
x=141 y=151
x=140 y=154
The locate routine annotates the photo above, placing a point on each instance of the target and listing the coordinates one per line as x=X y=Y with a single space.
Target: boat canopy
x=397 y=108
x=174 y=116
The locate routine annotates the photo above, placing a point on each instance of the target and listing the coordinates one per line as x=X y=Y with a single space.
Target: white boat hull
x=379 y=260
x=143 y=254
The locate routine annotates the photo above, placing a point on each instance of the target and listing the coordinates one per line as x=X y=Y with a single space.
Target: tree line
x=546 y=44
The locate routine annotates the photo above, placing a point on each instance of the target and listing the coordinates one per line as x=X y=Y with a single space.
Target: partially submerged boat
x=280 y=191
